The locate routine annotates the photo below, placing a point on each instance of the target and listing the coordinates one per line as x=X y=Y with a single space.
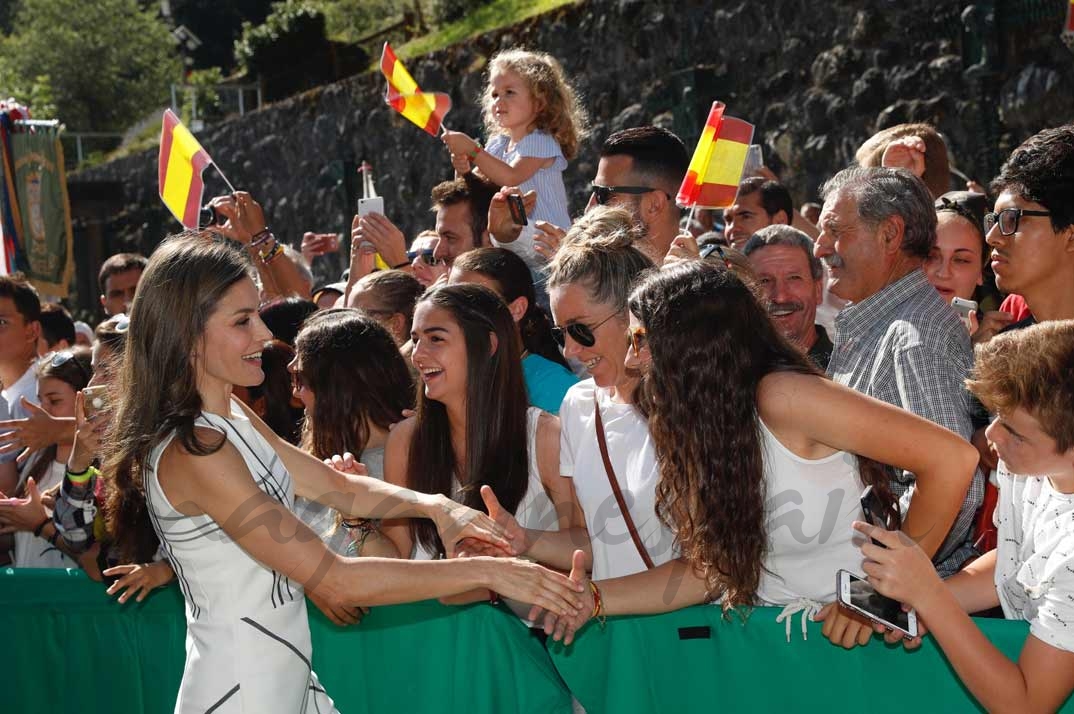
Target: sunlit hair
x=513 y=280
x=357 y=376
x=1030 y=369
x=711 y=343
x=497 y=451
x=72 y=367
x=558 y=110
x=600 y=253
x=184 y=281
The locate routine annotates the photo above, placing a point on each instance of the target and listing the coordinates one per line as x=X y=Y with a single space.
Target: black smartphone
x=518 y=210
x=873 y=510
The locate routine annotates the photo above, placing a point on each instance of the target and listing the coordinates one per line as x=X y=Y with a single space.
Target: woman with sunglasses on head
x=60 y=376
x=473 y=428
x=760 y=459
x=427 y=267
x=354 y=385
x=217 y=486
x=503 y=272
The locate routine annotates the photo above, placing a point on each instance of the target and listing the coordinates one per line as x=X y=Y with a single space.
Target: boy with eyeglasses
x=1031 y=228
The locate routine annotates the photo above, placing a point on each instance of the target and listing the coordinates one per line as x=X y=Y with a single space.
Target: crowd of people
x=569 y=412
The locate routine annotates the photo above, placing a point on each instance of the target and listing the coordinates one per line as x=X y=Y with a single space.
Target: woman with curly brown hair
x=756 y=450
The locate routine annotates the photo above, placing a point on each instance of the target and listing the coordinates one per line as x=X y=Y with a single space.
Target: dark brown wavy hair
x=357 y=375
x=184 y=281
x=711 y=344
x=497 y=452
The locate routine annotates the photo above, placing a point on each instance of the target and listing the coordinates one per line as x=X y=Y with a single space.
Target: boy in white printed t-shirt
x=1026 y=377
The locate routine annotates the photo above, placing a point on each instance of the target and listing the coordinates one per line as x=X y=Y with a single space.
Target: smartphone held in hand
x=857 y=594
x=95 y=399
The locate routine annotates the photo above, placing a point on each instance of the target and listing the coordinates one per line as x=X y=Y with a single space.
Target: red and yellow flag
x=181 y=163
x=716 y=167
x=1070 y=18
x=426 y=109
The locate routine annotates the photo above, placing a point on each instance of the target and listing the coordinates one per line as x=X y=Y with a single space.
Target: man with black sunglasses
x=1031 y=228
x=640 y=169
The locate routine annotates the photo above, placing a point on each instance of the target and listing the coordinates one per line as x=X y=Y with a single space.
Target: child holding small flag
x=535 y=122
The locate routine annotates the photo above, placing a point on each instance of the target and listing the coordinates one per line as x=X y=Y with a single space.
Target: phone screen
x=863 y=597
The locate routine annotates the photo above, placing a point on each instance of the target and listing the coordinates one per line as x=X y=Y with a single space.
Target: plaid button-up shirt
x=905 y=346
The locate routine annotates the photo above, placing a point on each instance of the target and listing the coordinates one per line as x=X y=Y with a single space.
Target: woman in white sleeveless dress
x=218 y=487
x=473 y=427
x=759 y=474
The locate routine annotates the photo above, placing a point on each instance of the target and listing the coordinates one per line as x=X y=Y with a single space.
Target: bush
x=451 y=10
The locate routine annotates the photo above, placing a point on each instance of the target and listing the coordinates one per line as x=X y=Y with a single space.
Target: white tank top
x=810 y=506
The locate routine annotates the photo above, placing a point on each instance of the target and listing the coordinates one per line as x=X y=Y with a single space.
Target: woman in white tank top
x=218 y=486
x=474 y=430
x=756 y=449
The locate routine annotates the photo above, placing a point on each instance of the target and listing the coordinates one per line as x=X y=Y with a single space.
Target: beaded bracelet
x=261 y=237
x=473 y=154
x=269 y=256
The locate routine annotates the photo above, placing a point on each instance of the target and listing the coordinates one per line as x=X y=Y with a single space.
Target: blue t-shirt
x=547 y=382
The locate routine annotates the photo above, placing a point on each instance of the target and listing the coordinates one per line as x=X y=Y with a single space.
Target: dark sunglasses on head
x=1008 y=219
x=426 y=257
x=59 y=359
x=582 y=334
x=603 y=194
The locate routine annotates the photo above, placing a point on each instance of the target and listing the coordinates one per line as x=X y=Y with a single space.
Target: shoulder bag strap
x=615 y=487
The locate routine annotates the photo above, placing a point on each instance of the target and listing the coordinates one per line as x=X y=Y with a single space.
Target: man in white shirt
x=20 y=328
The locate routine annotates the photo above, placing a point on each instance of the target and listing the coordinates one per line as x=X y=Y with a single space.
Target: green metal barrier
x=693 y=660
x=69 y=647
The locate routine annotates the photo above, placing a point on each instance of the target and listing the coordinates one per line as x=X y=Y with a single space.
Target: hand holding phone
x=857 y=594
x=964 y=308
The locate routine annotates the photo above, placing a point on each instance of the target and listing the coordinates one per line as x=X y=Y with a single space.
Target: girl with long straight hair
x=545 y=371
x=217 y=486
x=473 y=427
x=757 y=455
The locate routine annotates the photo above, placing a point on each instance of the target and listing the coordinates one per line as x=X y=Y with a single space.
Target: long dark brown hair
x=497 y=452
x=514 y=280
x=711 y=344
x=357 y=375
x=73 y=368
x=184 y=281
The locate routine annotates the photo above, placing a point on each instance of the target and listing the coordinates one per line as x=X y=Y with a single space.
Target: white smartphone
x=964 y=308
x=371 y=205
x=858 y=595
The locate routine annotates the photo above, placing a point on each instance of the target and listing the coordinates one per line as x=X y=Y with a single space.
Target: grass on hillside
x=497 y=14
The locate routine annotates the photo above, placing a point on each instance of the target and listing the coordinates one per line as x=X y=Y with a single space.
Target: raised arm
x=817 y=411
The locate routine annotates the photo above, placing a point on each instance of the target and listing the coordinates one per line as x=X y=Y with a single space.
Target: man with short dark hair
x=760 y=202
x=462 y=207
x=897 y=340
x=641 y=169
x=20 y=328
x=793 y=280
x=118 y=278
x=57 y=329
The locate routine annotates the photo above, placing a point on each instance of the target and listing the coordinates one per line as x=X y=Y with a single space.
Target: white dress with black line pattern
x=247 y=640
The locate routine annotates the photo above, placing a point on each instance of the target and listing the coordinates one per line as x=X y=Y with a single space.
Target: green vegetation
x=496 y=14
x=97 y=66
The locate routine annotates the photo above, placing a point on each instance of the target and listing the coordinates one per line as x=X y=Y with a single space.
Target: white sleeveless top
x=810 y=506
x=535 y=510
x=248 y=640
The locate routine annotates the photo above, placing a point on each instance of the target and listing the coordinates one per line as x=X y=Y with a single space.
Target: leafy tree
x=106 y=62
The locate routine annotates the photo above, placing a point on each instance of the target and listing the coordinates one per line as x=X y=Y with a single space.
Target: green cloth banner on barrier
x=693 y=660
x=71 y=647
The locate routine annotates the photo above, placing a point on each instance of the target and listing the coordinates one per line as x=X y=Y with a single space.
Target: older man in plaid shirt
x=897 y=340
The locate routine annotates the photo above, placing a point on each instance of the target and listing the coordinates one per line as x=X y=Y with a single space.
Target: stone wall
x=817 y=78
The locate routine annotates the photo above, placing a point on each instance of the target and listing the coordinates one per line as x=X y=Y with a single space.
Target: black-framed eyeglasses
x=427 y=257
x=716 y=248
x=1008 y=219
x=580 y=333
x=603 y=194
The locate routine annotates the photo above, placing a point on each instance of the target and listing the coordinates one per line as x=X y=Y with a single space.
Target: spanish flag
x=181 y=163
x=716 y=167
x=426 y=109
